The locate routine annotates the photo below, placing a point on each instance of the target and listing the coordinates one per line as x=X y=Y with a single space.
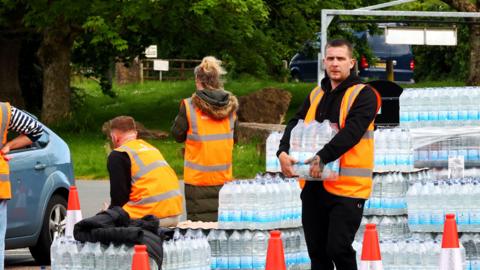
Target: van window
x=380 y=48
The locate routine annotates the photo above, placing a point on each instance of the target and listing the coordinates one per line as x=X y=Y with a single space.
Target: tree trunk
x=10 y=90
x=54 y=54
x=474 y=72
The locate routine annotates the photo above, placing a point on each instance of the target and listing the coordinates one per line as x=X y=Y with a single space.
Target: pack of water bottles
x=306 y=140
x=471 y=242
x=437 y=145
x=189 y=251
x=266 y=202
x=393 y=150
x=428 y=202
x=67 y=253
x=440 y=107
x=417 y=252
x=388 y=194
x=388 y=227
x=248 y=249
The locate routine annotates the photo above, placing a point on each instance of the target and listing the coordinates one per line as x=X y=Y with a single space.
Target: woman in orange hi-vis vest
x=206 y=123
x=332 y=210
x=30 y=130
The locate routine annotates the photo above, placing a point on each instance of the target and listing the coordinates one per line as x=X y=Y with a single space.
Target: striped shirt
x=25 y=124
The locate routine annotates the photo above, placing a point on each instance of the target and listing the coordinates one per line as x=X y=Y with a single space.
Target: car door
x=28 y=168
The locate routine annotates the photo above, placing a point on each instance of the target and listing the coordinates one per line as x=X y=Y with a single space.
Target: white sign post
x=160 y=65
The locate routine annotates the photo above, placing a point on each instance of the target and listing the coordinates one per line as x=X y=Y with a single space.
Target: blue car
x=40 y=175
x=304 y=66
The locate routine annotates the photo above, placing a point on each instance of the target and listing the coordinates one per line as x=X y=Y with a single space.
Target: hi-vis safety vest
x=356 y=165
x=208 y=148
x=155 y=188
x=5 y=114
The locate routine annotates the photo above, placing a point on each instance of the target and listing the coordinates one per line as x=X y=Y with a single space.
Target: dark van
x=304 y=66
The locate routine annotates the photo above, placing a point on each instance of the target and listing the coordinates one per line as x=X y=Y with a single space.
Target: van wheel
x=53 y=217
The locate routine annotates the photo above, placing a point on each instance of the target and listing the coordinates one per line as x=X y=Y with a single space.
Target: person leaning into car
x=332 y=210
x=141 y=181
x=30 y=130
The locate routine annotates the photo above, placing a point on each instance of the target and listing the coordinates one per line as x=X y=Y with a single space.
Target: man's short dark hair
x=123 y=123
x=340 y=43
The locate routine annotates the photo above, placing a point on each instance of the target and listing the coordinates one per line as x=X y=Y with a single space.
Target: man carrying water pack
x=332 y=210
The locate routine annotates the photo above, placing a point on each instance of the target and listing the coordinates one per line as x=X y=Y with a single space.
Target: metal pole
x=388 y=4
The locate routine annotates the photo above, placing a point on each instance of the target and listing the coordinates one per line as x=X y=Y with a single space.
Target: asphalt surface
x=92 y=196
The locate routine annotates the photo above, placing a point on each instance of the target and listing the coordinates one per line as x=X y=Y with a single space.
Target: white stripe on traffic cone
x=74 y=214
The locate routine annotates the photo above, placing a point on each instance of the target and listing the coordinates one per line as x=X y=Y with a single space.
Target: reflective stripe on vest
x=155 y=189
x=208 y=148
x=356 y=165
x=5 y=188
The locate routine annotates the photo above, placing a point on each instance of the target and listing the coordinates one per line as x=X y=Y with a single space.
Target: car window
x=42 y=142
x=379 y=47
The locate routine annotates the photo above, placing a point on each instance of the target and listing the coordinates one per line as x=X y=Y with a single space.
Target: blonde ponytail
x=209 y=72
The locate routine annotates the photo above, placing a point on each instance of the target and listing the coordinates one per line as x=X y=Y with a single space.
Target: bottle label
x=423 y=116
x=258 y=262
x=472 y=154
x=475 y=217
x=213 y=262
x=463 y=218
x=222 y=262
x=424 y=218
x=413 y=218
x=442 y=115
x=463 y=115
x=452 y=115
x=236 y=215
x=433 y=116
x=234 y=262
x=246 y=262
x=472 y=115
x=437 y=218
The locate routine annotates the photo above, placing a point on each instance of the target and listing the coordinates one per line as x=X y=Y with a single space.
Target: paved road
x=92 y=195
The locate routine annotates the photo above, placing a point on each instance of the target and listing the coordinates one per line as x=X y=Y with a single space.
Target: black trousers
x=330 y=223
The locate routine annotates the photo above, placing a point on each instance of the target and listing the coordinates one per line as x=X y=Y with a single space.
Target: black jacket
x=361 y=114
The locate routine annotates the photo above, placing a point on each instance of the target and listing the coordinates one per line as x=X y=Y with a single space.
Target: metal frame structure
x=329 y=14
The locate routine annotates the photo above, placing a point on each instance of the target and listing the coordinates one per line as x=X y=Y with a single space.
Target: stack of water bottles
x=440 y=107
x=264 y=203
x=388 y=194
x=429 y=201
x=393 y=150
x=187 y=252
x=273 y=141
x=436 y=154
x=471 y=242
x=388 y=227
x=66 y=253
x=306 y=140
x=419 y=252
x=248 y=249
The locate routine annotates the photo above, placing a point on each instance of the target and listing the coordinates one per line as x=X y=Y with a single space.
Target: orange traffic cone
x=451 y=255
x=74 y=214
x=275 y=255
x=140 y=258
x=371 y=258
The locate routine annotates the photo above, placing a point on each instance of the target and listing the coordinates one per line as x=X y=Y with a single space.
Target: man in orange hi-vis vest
x=141 y=181
x=332 y=210
x=206 y=123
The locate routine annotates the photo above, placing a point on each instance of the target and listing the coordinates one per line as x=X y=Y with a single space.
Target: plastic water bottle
x=226 y=204
x=222 y=259
x=234 y=250
x=246 y=261
x=111 y=257
x=87 y=258
x=259 y=250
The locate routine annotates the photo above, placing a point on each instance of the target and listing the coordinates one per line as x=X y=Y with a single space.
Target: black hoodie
x=361 y=114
